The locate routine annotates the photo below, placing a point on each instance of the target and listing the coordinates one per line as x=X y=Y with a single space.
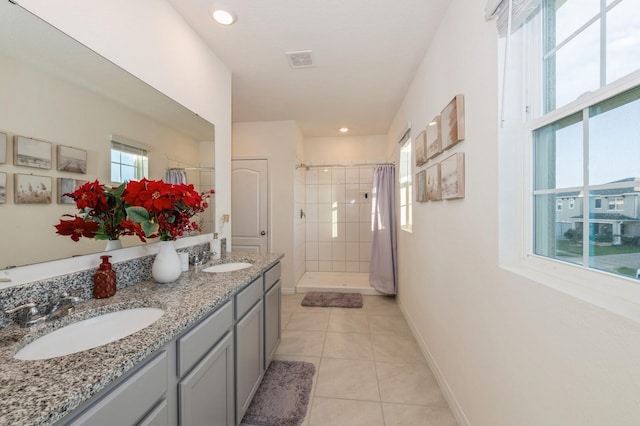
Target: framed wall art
x=31 y=153
x=452 y=176
x=72 y=160
x=421 y=194
x=452 y=122
x=433 y=182
x=433 y=139
x=66 y=186
x=3 y=187
x=421 y=149
x=30 y=189
x=3 y=148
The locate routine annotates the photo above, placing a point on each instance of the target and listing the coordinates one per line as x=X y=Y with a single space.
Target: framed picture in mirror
x=3 y=188
x=421 y=149
x=67 y=186
x=452 y=176
x=3 y=148
x=31 y=153
x=72 y=160
x=433 y=182
x=433 y=140
x=421 y=194
x=452 y=122
x=31 y=189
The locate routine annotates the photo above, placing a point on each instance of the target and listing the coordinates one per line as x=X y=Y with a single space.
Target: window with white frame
x=128 y=162
x=572 y=203
x=406 y=192
x=590 y=146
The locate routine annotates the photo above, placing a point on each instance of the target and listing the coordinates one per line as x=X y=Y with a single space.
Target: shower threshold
x=341 y=282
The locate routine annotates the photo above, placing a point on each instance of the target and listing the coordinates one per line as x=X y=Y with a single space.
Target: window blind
x=521 y=10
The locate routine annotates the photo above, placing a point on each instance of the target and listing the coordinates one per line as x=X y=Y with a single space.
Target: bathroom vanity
x=200 y=363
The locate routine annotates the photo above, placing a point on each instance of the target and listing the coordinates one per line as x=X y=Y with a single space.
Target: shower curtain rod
x=308 y=166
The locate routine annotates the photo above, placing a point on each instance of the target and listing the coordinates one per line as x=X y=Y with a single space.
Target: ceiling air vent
x=300 y=59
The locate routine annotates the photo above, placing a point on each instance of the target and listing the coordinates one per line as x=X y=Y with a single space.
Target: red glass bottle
x=104 y=282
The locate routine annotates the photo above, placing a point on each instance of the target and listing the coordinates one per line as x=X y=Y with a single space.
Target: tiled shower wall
x=299 y=230
x=338 y=219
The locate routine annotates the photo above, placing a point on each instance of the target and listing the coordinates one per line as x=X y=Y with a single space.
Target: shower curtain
x=383 y=266
x=175 y=176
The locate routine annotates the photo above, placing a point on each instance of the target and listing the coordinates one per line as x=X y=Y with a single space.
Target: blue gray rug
x=283 y=395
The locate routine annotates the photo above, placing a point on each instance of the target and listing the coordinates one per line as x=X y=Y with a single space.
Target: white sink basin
x=90 y=333
x=228 y=267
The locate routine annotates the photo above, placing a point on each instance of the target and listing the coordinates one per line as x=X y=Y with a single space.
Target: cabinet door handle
x=263 y=233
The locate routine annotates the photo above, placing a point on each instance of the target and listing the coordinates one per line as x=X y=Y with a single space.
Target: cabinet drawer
x=159 y=416
x=248 y=297
x=271 y=276
x=193 y=345
x=127 y=403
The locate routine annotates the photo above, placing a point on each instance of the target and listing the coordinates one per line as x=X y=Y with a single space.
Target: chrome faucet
x=63 y=306
x=26 y=315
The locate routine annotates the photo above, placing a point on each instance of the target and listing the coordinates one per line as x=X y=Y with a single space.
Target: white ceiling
x=366 y=53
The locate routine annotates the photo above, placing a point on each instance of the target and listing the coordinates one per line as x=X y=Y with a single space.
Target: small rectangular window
x=406 y=192
x=128 y=162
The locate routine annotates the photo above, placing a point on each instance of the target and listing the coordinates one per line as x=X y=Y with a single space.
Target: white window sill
x=613 y=293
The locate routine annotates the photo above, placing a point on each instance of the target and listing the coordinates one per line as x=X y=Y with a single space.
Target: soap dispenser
x=215 y=247
x=104 y=282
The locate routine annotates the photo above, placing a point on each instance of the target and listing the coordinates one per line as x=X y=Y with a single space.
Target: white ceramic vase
x=166 y=266
x=113 y=245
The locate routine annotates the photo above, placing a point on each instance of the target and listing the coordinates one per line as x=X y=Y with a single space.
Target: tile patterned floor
x=369 y=369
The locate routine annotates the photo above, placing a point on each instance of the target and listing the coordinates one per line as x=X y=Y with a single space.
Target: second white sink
x=90 y=333
x=228 y=267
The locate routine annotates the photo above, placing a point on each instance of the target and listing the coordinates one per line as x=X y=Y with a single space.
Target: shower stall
x=334 y=203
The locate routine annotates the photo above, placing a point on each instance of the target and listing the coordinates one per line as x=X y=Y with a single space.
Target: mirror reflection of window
x=128 y=162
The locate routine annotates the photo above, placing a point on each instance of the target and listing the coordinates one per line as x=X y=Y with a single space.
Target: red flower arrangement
x=164 y=210
x=145 y=208
x=103 y=214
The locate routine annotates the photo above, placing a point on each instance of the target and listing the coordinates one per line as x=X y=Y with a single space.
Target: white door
x=249 y=186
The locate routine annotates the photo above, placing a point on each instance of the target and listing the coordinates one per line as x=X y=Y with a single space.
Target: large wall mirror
x=55 y=90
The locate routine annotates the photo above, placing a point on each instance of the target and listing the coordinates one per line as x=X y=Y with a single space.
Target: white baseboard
x=287 y=290
x=456 y=409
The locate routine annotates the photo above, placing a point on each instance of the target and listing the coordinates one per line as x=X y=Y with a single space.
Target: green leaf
x=138 y=214
x=149 y=228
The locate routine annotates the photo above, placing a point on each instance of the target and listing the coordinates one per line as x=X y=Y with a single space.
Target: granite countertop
x=42 y=392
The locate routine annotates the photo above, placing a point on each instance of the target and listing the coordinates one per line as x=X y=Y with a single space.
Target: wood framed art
x=66 y=186
x=433 y=182
x=72 y=160
x=31 y=189
x=452 y=122
x=452 y=176
x=31 y=153
x=421 y=149
x=433 y=139
x=3 y=187
x=421 y=193
x=3 y=148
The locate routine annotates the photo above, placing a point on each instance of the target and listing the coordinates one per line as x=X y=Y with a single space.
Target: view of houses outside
x=614 y=228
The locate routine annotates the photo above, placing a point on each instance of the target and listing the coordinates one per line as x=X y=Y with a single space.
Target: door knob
x=263 y=233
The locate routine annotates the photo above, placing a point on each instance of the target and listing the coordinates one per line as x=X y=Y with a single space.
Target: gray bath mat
x=333 y=299
x=283 y=395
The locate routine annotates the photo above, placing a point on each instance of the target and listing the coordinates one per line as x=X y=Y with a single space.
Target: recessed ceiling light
x=224 y=17
x=344 y=129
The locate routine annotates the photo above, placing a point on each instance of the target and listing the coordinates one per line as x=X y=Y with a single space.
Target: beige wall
x=63 y=113
x=276 y=141
x=148 y=39
x=345 y=149
x=508 y=350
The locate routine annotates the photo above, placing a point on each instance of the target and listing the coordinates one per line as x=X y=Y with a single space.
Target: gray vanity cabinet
x=146 y=387
x=205 y=387
x=206 y=393
x=249 y=332
x=271 y=316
